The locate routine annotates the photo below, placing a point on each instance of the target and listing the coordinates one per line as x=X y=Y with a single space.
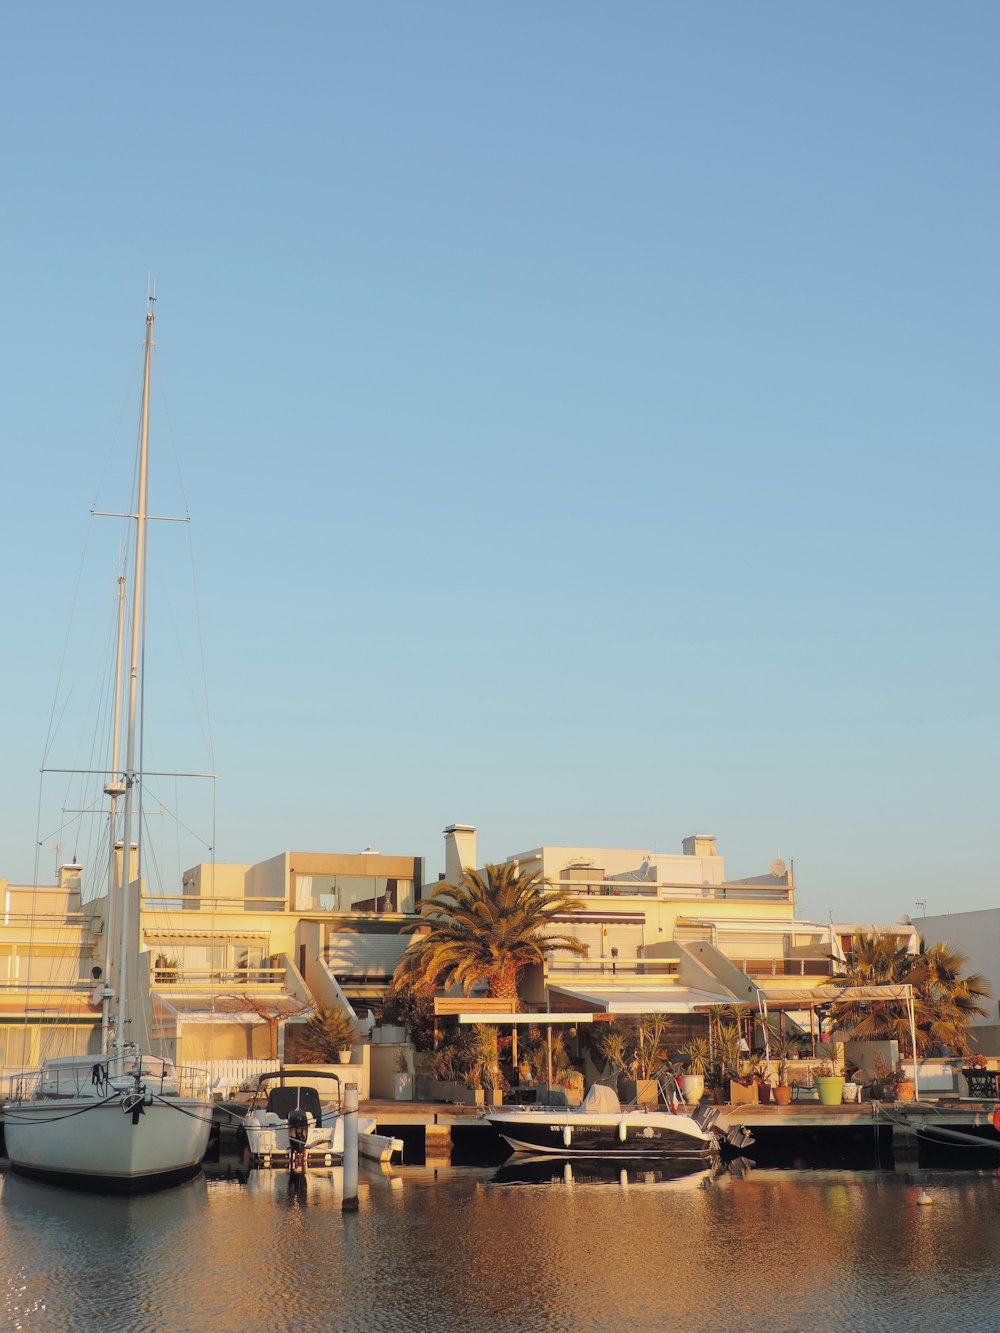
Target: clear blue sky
x=588 y=416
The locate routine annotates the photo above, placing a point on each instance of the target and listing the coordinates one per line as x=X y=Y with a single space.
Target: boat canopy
x=601 y=1100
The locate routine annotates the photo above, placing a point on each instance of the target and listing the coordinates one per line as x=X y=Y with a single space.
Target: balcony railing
x=668 y=967
x=609 y=967
x=75 y=987
x=784 y=967
x=238 y=978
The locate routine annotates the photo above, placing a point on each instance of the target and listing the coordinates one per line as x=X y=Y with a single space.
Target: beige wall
x=222 y=1041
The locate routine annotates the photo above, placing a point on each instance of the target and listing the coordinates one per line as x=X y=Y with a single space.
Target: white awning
x=536 y=1020
x=802 y=997
x=665 y=1000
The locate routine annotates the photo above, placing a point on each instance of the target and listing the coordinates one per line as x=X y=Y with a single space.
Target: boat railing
x=20 y=1087
x=88 y=1077
x=178 y=1080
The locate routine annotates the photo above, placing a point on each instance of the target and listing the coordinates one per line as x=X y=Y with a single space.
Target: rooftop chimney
x=700 y=844
x=459 y=850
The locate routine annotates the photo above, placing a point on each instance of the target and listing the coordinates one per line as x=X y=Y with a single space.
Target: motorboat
x=121 y=1119
x=289 y=1118
x=602 y=1127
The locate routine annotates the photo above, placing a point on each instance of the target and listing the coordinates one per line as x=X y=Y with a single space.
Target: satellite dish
x=778 y=868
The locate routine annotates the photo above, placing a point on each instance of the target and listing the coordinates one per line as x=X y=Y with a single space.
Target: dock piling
x=350 y=1200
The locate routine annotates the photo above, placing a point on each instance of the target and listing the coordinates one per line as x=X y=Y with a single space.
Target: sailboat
x=122 y=1120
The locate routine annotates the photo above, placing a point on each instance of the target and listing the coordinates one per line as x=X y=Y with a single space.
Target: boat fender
x=996 y=1120
x=622 y=1130
x=567 y=1135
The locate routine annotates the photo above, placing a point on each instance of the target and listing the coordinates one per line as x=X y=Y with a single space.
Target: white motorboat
x=289 y=1116
x=380 y=1147
x=601 y=1127
x=123 y=1119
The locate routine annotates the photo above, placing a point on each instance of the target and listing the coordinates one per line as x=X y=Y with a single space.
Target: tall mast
x=114 y=788
x=128 y=951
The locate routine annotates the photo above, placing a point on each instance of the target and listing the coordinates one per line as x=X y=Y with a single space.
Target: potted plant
x=726 y=1040
x=326 y=1037
x=883 y=1083
x=761 y=1071
x=484 y=1052
x=782 y=1094
x=648 y=1058
x=782 y=1047
x=166 y=970
x=743 y=1084
x=613 y=1047
x=906 y=1089
x=982 y=1082
x=572 y=1083
x=403 y=1079
x=829 y=1084
x=698 y=1057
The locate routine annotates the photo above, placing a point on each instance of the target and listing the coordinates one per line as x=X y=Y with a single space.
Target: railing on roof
x=751 y=893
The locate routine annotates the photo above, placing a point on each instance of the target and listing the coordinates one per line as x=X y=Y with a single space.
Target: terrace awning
x=802 y=997
x=809 y=998
x=663 y=1000
x=535 y=1020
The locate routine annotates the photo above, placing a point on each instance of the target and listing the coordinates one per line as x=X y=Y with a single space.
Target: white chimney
x=459 y=850
x=701 y=844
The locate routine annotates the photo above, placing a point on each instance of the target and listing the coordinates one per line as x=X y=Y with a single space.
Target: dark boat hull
x=653 y=1140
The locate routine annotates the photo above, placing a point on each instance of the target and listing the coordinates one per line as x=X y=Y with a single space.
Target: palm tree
x=486 y=929
x=953 y=998
x=944 y=1001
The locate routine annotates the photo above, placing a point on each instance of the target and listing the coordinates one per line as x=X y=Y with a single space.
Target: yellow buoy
x=924 y=1197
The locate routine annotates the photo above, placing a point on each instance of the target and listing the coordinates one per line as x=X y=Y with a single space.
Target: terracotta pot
x=738 y=1093
x=782 y=1096
x=906 y=1090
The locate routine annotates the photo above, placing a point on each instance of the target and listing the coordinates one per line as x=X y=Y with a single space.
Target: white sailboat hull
x=95 y=1145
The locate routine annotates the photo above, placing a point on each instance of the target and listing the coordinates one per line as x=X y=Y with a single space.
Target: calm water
x=472 y=1248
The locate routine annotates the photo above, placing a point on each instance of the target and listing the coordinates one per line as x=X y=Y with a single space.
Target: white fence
x=225 y=1075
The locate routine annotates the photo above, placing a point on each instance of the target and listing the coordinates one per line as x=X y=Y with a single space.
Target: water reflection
x=578 y=1171
x=447 y=1249
x=51 y=1231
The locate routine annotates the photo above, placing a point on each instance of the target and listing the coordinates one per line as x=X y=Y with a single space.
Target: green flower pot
x=831 y=1091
